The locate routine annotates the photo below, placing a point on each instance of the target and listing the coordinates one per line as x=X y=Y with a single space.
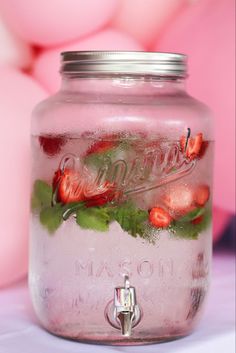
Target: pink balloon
x=18 y=95
x=145 y=19
x=53 y=22
x=46 y=68
x=13 y=49
x=221 y=219
x=206 y=33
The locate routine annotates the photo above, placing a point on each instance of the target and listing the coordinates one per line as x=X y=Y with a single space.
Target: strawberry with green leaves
x=101 y=146
x=181 y=209
x=97 y=153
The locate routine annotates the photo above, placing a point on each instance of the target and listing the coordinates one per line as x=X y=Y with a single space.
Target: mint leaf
x=185 y=230
x=131 y=219
x=95 y=218
x=51 y=217
x=99 y=159
x=189 y=230
x=41 y=196
x=197 y=212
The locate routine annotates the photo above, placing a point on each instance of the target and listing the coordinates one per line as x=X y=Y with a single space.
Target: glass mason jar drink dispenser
x=120 y=245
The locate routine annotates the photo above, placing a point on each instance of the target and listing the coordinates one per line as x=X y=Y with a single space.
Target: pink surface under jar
x=121 y=200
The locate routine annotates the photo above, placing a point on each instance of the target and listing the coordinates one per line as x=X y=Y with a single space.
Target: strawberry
x=194 y=145
x=203 y=149
x=101 y=147
x=56 y=179
x=201 y=195
x=70 y=186
x=179 y=200
x=51 y=145
x=159 y=218
x=105 y=193
x=197 y=220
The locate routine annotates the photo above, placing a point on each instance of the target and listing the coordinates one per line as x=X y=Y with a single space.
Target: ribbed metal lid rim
x=133 y=62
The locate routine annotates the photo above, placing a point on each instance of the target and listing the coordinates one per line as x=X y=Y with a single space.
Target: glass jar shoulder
x=68 y=112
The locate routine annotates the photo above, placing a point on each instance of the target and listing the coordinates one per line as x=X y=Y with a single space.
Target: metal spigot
x=125 y=301
x=124 y=309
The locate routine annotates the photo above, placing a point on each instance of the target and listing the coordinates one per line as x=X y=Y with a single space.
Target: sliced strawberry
x=105 y=193
x=51 y=145
x=203 y=149
x=179 y=200
x=201 y=195
x=56 y=179
x=159 y=218
x=194 y=145
x=70 y=186
x=101 y=146
x=197 y=220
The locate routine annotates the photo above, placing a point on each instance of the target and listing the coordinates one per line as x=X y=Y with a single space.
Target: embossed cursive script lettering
x=150 y=169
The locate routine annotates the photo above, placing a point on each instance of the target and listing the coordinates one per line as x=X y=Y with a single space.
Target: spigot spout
x=125 y=307
x=126 y=319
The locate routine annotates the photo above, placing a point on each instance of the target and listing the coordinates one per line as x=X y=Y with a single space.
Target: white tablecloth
x=20 y=333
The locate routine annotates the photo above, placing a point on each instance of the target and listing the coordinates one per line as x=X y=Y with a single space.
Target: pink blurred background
x=33 y=33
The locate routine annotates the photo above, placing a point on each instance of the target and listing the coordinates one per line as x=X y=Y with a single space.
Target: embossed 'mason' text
x=143 y=268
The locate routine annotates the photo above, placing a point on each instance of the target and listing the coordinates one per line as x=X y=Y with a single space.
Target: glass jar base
x=117 y=340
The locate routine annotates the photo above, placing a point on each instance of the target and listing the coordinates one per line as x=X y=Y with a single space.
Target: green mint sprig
x=51 y=217
x=132 y=219
x=97 y=160
x=94 y=218
x=100 y=159
x=41 y=195
x=184 y=228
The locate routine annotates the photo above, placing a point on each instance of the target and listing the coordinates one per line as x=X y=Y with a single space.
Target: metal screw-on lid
x=124 y=62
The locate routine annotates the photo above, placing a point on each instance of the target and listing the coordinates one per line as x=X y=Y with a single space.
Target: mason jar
x=121 y=234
